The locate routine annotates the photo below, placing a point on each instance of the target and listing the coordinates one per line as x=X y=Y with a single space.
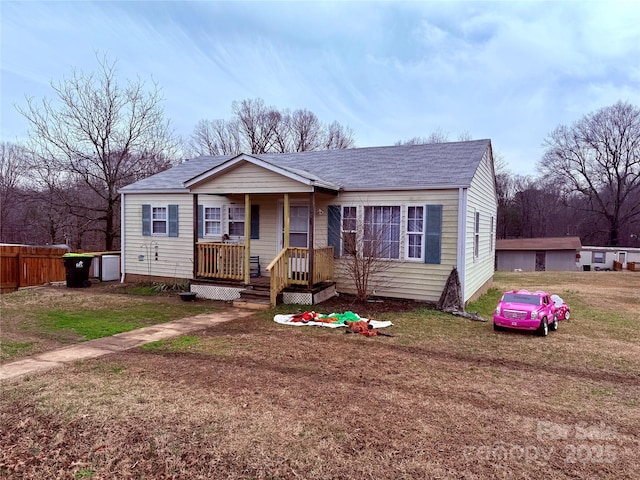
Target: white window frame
x=392 y=240
x=476 y=234
x=492 y=233
x=410 y=233
x=158 y=221
x=344 y=232
x=292 y=228
x=231 y=220
x=206 y=221
x=596 y=260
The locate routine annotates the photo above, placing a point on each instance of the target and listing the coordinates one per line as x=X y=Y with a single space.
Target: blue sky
x=509 y=71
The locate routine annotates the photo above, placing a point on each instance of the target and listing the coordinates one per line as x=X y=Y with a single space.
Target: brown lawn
x=443 y=398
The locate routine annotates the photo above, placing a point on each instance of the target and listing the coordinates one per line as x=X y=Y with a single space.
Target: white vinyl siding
x=481 y=198
x=175 y=254
x=247 y=176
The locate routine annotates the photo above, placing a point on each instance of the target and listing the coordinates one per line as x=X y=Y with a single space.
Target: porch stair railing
x=291 y=267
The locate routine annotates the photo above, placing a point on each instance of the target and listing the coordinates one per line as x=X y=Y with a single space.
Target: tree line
x=98 y=135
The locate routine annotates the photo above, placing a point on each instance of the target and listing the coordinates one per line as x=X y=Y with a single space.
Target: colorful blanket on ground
x=333 y=320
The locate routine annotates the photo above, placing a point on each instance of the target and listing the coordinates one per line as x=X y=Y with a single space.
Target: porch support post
x=287 y=221
x=312 y=242
x=247 y=239
x=195 y=235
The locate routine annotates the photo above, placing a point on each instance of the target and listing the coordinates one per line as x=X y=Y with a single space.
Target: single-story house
x=602 y=258
x=537 y=254
x=295 y=220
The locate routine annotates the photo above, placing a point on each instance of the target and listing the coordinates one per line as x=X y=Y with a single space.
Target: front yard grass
x=445 y=397
x=39 y=319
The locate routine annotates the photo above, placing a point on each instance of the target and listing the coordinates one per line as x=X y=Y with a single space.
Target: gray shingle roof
x=403 y=167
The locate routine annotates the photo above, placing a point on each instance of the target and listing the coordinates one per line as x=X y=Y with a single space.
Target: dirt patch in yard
x=285 y=402
x=444 y=398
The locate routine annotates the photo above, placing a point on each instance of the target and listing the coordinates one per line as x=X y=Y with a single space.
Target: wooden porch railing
x=278 y=269
x=220 y=260
x=322 y=264
x=291 y=267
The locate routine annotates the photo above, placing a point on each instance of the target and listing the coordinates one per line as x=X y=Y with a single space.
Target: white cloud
x=511 y=71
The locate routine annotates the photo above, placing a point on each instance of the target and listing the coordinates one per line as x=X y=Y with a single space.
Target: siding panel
x=174 y=253
x=482 y=198
x=249 y=177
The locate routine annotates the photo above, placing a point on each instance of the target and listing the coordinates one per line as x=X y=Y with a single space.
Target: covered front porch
x=237 y=266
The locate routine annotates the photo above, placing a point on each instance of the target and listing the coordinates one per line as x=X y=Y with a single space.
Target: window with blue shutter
x=146 y=220
x=173 y=220
x=433 y=234
x=200 y=221
x=334 y=221
x=255 y=222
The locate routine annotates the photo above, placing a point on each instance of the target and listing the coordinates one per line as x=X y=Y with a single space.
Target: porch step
x=257 y=297
x=253 y=305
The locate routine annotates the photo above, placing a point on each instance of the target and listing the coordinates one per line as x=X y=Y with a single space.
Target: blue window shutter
x=173 y=220
x=255 y=222
x=334 y=221
x=200 y=221
x=146 y=220
x=433 y=234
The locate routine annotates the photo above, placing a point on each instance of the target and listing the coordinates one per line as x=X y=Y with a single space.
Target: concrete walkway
x=116 y=343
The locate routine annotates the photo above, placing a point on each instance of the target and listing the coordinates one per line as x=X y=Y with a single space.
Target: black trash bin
x=77 y=267
x=586 y=268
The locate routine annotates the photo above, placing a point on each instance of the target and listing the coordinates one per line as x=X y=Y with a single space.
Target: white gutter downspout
x=462 y=239
x=122 y=238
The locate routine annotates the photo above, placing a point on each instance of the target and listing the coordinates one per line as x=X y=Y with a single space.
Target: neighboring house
x=537 y=254
x=214 y=219
x=602 y=258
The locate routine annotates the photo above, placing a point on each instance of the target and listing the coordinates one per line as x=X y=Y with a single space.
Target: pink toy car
x=524 y=310
x=563 y=312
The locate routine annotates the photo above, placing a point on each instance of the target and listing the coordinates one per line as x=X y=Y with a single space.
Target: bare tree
x=306 y=131
x=597 y=159
x=437 y=136
x=465 y=136
x=337 y=137
x=216 y=137
x=367 y=248
x=256 y=128
x=257 y=124
x=100 y=134
x=13 y=170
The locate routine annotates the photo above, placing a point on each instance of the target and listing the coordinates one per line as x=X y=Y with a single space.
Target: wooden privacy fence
x=24 y=266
